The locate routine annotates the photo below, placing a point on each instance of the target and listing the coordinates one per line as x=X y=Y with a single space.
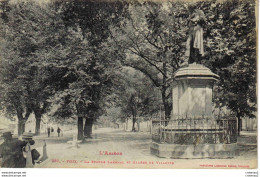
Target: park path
x=133 y=147
x=128 y=146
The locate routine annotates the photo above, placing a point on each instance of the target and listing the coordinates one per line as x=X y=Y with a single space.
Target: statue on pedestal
x=194 y=44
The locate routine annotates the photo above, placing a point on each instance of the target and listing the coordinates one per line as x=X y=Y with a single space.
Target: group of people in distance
x=51 y=130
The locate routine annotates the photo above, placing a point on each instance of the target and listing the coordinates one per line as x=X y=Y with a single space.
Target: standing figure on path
x=49 y=131
x=58 y=131
x=194 y=44
x=52 y=130
x=11 y=151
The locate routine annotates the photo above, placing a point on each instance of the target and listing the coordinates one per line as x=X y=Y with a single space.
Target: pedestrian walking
x=58 y=131
x=49 y=131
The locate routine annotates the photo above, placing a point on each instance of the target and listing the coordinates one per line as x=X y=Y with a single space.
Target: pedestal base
x=177 y=151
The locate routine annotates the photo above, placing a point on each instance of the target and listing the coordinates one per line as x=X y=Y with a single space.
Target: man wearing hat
x=29 y=153
x=11 y=152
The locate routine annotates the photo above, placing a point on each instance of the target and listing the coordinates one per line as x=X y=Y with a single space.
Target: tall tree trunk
x=168 y=110
x=80 y=128
x=80 y=112
x=21 y=127
x=134 y=120
x=166 y=104
x=38 y=126
x=239 y=125
x=138 y=124
x=88 y=127
x=38 y=117
x=22 y=120
x=38 y=112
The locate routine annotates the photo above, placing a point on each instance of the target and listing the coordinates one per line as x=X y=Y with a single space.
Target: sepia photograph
x=128 y=84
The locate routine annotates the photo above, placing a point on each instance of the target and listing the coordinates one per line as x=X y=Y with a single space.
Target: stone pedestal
x=192 y=91
x=193 y=132
x=177 y=151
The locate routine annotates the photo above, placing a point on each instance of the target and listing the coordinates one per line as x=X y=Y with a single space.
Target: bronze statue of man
x=194 y=44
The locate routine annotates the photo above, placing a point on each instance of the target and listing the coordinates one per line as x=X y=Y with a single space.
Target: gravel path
x=115 y=148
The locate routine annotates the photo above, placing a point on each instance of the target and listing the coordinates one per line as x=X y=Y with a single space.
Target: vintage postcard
x=128 y=84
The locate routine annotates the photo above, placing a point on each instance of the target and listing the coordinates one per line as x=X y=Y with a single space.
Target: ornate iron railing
x=195 y=131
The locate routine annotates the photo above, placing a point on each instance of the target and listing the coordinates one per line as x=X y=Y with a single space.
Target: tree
x=153 y=38
x=89 y=61
x=12 y=91
x=69 y=51
x=33 y=34
x=231 y=44
x=18 y=70
x=136 y=96
x=88 y=79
